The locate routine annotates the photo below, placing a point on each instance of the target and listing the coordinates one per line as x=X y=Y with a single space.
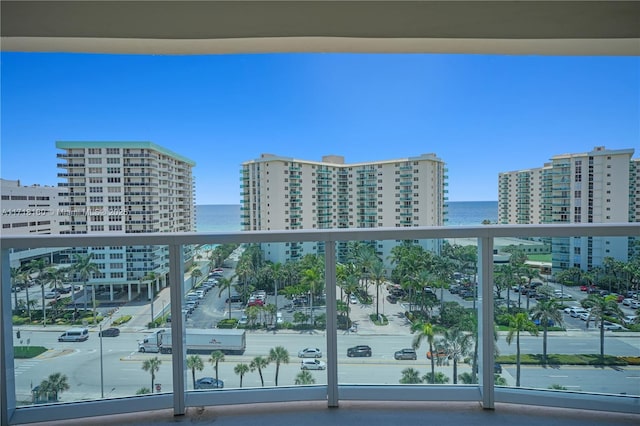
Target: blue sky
x=481 y=114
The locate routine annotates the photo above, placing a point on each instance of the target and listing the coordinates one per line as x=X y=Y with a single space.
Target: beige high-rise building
x=127 y=187
x=600 y=186
x=282 y=193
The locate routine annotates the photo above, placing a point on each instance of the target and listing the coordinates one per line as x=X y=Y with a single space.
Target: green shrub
x=18 y=320
x=228 y=323
x=123 y=319
x=374 y=319
x=563 y=359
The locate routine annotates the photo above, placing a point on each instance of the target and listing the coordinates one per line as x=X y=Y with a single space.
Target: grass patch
x=28 y=351
x=539 y=257
x=568 y=359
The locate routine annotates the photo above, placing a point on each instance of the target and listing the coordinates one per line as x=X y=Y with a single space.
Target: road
x=123 y=374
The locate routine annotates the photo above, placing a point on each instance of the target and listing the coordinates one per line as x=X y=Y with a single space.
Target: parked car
x=51 y=295
x=406 y=353
x=312 y=364
x=392 y=299
x=209 y=383
x=243 y=320
x=568 y=309
x=360 y=350
x=608 y=325
x=576 y=312
x=627 y=302
x=497 y=368
x=353 y=299
x=110 y=332
x=310 y=353
x=630 y=319
x=233 y=299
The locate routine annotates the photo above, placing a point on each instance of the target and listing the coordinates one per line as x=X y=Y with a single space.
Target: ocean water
x=471 y=213
x=226 y=217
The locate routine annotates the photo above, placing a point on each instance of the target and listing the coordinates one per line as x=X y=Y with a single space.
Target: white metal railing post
x=7 y=380
x=485 y=321
x=176 y=277
x=332 y=320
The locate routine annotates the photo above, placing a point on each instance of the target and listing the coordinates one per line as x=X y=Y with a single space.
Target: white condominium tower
x=600 y=186
x=280 y=193
x=127 y=187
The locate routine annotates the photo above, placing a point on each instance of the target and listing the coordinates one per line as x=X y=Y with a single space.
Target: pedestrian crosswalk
x=24 y=366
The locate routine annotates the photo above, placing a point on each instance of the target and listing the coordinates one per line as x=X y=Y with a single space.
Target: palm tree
x=305 y=378
x=259 y=363
x=84 y=267
x=457 y=344
x=279 y=355
x=546 y=311
x=194 y=362
x=241 y=369
x=439 y=378
x=410 y=376
x=24 y=277
x=215 y=358
x=39 y=266
x=444 y=268
x=378 y=276
x=517 y=324
x=425 y=332
x=225 y=284
x=20 y=277
x=55 y=384
x=601 y=306
x=152 y=365
x=529 y=273
x=312 y=278
x=195 y=274
x=467 y=378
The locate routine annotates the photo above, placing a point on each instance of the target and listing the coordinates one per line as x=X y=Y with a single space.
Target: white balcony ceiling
x=196 y=27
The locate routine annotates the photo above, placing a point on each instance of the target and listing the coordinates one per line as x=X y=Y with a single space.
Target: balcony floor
x=364 y=413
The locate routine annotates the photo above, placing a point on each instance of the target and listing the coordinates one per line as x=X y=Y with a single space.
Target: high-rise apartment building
x=600 y=186
x=31 y=210
x=280 y=193
x=127 y=187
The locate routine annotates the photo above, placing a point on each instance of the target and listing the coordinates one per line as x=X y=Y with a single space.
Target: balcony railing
x=332 y=389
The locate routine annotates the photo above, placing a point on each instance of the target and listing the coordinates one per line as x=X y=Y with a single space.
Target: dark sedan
x=360 y=350
x=110 y=332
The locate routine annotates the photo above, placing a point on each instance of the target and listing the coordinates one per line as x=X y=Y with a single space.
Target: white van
x=74 y=335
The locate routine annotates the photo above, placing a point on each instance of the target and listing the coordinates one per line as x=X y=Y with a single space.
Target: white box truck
x=229 y=341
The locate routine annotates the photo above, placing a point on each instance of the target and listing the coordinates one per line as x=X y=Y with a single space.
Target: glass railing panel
x=413 y=300
x=549 y=319
x=260 y=323
x=82 y=343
